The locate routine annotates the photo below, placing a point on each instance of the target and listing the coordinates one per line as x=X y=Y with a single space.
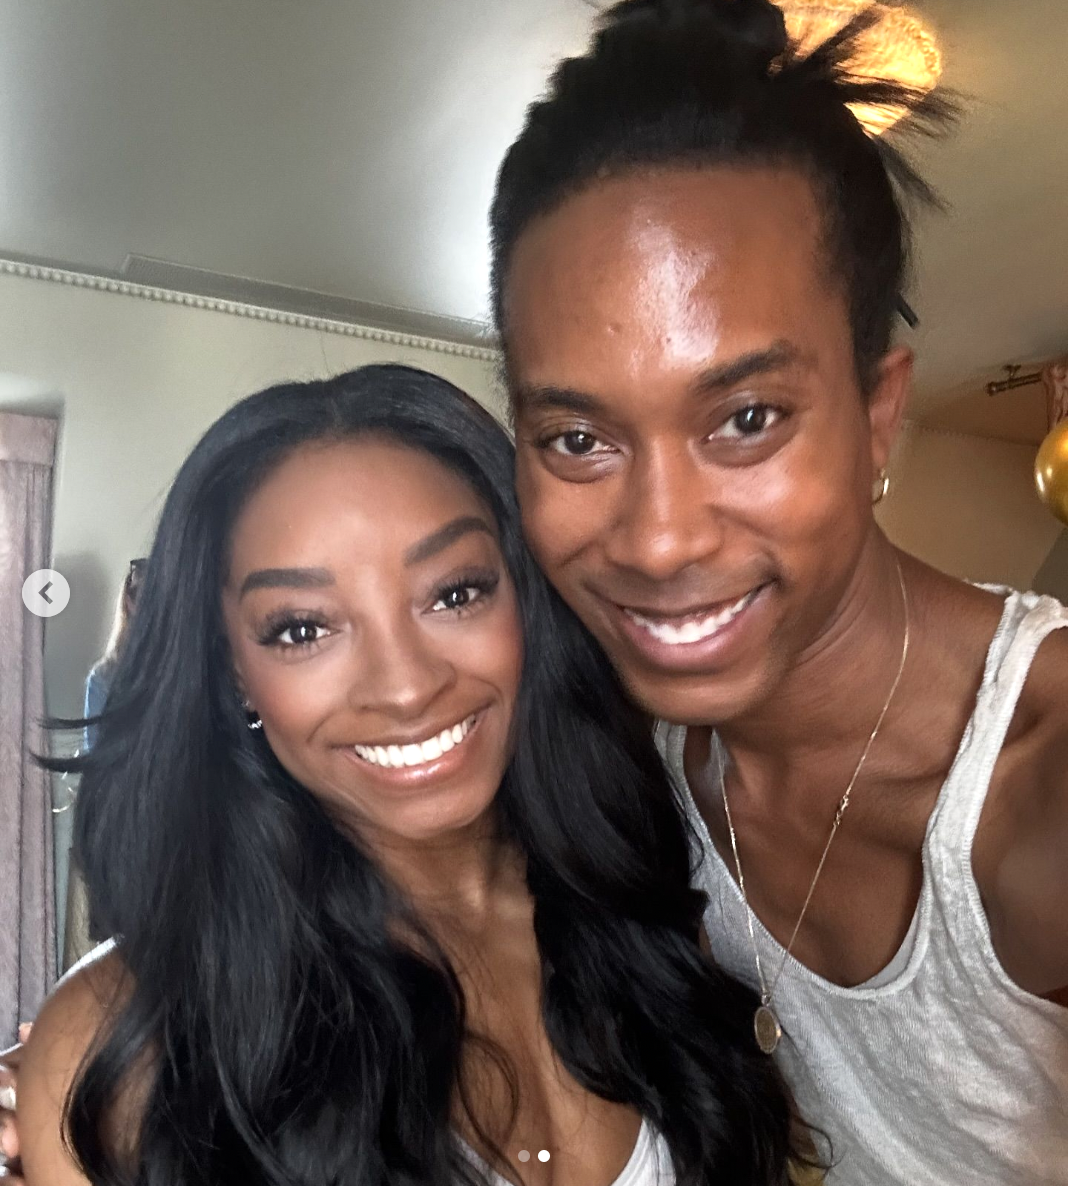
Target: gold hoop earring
x=881 y=489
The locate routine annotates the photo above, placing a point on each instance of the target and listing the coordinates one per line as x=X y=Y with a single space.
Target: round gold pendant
x=767 y=1029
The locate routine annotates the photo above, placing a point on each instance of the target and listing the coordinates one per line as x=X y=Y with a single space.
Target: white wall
x=968 y=505
x=1052 y=577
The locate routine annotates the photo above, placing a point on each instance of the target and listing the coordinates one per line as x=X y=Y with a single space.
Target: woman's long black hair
x=288 y=1036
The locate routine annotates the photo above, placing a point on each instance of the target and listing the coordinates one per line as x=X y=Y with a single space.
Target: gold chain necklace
x=766 y=1024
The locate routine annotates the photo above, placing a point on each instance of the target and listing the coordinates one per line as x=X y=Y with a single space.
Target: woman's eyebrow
x=287 y=578
x=438 y=541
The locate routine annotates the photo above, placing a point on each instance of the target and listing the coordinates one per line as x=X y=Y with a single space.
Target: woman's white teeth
x=417 y=753
x=693 y=630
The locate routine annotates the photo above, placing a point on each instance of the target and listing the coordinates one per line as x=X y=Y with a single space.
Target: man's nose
x=667 y=519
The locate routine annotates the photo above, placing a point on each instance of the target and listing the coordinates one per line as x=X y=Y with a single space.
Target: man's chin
x=695 y=700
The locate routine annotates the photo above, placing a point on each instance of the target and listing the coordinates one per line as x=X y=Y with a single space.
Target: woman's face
x=695 y=458
x=375 y=630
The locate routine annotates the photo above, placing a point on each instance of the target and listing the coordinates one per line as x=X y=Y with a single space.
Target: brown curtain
x=1055 y=378
x=27 y=886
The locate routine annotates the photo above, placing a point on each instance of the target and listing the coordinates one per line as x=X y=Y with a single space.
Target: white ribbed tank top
x=939 y=1071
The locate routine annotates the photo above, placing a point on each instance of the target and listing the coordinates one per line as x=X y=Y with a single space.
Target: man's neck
x=819 y=716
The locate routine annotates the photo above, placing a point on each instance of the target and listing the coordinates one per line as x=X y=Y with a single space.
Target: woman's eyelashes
x=301 y=630
x=462 y=594
x=293 y=630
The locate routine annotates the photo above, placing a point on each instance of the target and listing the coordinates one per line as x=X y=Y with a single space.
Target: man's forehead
x=600 y=276
x=691 y=211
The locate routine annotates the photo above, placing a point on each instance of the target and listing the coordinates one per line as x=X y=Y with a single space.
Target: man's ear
x=886 y=403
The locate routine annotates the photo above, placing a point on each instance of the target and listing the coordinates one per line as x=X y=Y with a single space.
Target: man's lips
x=687 y=637
x=692 y=625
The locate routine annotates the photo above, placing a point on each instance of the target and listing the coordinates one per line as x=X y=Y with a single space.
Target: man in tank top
x=698 y=260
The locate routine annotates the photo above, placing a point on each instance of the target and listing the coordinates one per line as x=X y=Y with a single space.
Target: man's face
x=695 y=458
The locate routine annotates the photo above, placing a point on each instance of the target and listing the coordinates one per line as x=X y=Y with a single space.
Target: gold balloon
x=1051 y=471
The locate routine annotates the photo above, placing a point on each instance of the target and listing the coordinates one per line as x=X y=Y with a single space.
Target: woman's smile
x=433 y=755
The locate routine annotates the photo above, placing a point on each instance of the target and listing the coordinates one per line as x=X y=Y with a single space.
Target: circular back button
x=45 y=593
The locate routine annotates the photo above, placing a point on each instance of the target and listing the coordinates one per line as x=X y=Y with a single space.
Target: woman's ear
x=241 y=689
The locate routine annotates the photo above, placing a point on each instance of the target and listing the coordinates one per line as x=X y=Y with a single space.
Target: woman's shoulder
x=84 y=999
x=66 y=1030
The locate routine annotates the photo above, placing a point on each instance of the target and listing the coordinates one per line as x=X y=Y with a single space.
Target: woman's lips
x=439 y=755
x=417 y=753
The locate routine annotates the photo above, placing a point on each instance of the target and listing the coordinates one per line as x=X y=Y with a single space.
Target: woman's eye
x=301 y=634
x=459 y=597
x=575 y=443
x=750 y=421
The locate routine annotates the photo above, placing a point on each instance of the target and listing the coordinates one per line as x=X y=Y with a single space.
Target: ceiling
x=348 y=147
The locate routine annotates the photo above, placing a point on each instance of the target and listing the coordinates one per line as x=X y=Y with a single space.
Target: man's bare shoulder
x=962 y=616
x=1043 y=713
x=1045 y=695
x=1020 y=850
x=1039 y=731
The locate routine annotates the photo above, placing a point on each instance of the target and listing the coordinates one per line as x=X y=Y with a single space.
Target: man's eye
x=575 y=443
x=750 y=421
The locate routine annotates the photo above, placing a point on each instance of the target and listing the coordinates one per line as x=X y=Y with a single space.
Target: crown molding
x=72 y=278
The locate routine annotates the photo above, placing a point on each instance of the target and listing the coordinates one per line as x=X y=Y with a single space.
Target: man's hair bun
x=745 y=37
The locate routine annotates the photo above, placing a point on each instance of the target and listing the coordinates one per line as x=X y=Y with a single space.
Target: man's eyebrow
x=438 y=541
x=287 y=578
x=556 y=399
x=757 y=362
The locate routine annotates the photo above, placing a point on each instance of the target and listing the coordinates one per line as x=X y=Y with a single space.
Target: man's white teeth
x=694 y=630
x=418 y=753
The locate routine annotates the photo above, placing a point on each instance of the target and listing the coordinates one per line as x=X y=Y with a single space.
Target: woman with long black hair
x=399 y=888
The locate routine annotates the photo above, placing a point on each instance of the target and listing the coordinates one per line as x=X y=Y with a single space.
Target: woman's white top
x=649 y=1164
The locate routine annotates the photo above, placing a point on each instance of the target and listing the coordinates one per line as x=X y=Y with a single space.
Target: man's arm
x=1021 y=858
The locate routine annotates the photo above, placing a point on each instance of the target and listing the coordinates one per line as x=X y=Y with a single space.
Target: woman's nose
x=401 y=672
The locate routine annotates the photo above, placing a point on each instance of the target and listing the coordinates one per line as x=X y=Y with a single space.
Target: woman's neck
x=463 y=872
